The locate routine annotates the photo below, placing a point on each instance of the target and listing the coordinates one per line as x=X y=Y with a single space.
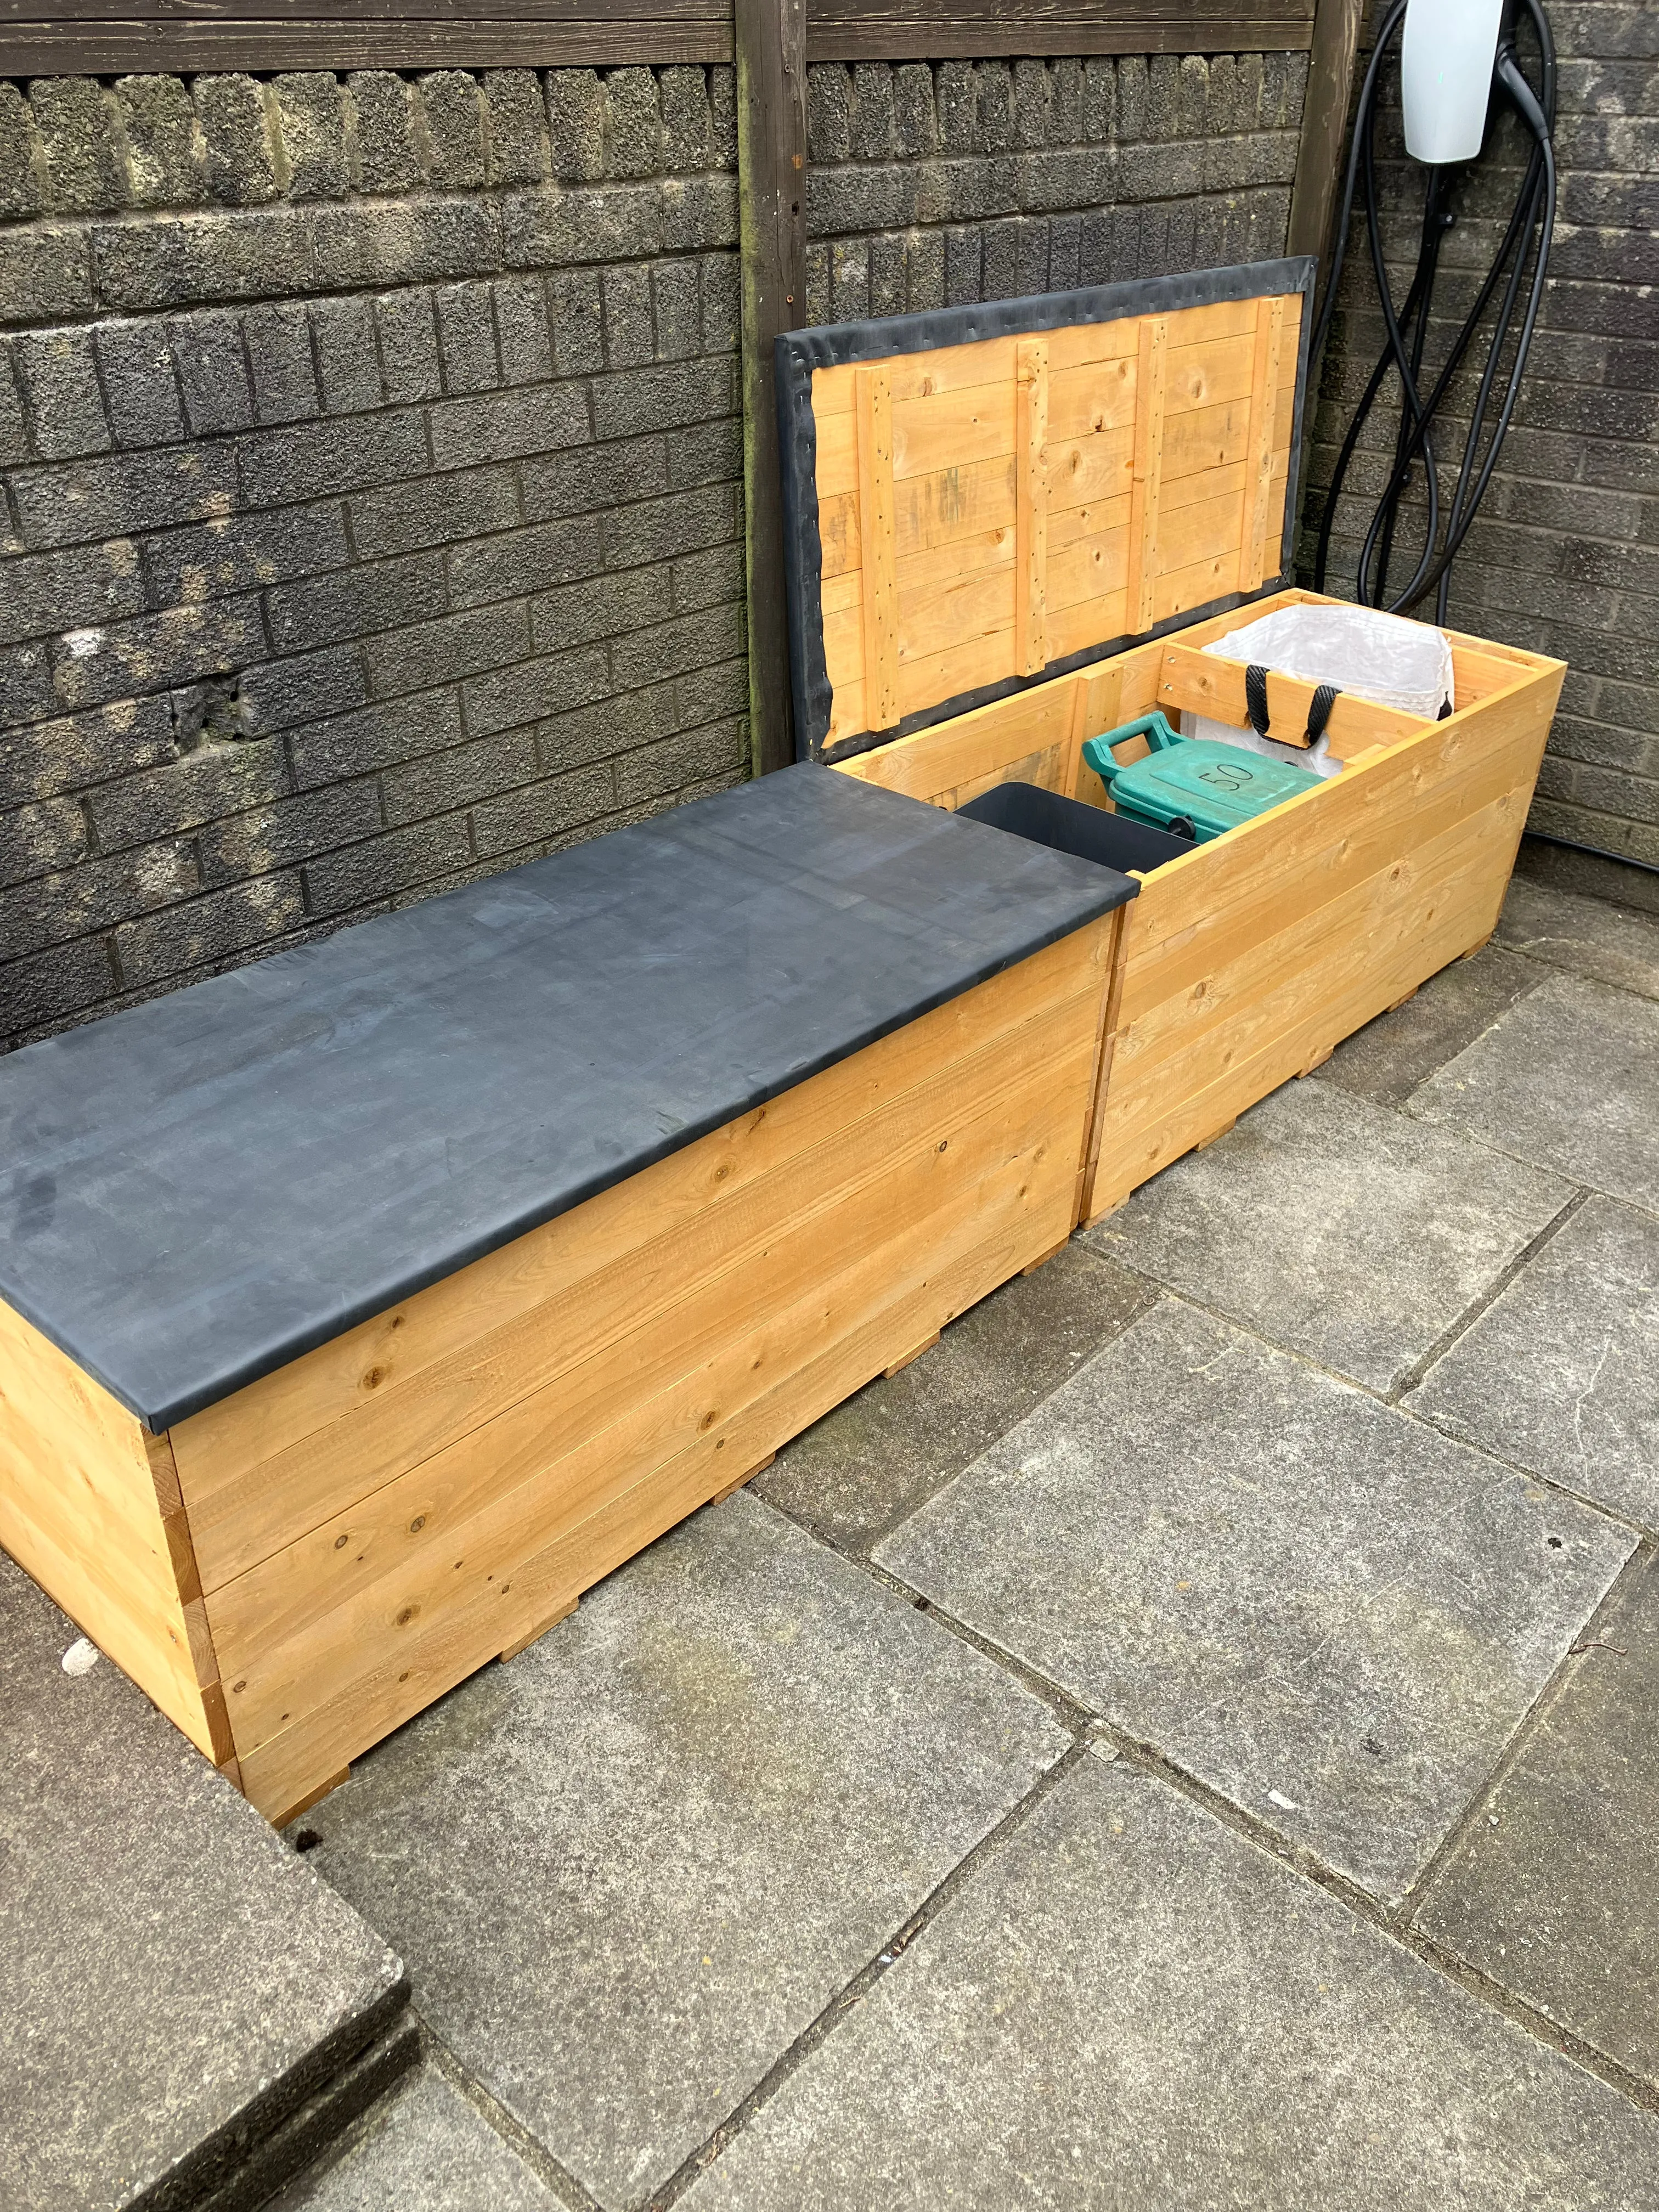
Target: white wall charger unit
x=1446 y=59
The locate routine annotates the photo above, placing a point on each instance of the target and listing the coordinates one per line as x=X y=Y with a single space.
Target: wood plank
x=770 y=47
x=1397 y=927
x=929 y=30
x=930 y=764
x=1264 y=391
x=1083 y=402
x=130 y=46
x=1031 y=513
x=953 y=431
x=82 y=1509
x=1208 y=683
x=1148 y=468
x=1083 y=470
x=880 y=611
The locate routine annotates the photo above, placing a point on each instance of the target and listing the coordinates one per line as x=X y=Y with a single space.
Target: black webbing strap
x=1319 y=710
x=1255 y=698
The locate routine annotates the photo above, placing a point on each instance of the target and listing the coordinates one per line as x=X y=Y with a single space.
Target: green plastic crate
x=1195 y=787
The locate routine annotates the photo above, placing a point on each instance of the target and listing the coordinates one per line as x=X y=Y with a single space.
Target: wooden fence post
x=771 y=55
x=1324 y=127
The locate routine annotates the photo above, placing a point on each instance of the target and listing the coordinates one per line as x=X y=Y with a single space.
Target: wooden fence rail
x=116 y=37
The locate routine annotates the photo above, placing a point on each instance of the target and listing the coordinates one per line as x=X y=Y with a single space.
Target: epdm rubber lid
x=196 y=1190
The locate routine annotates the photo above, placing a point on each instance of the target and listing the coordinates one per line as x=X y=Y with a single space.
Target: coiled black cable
x=1527 y=238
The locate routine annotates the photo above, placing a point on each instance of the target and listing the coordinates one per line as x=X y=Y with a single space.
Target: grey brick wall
x=1564 y=556
x=372 y=460
x=942 y=185
x=372 y=498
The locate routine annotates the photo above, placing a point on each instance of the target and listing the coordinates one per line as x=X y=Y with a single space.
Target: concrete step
x=188 y=2014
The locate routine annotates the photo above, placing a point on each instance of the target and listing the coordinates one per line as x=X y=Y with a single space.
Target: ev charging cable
x=1456 y=54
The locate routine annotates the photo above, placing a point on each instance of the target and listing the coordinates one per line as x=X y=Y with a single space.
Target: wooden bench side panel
x=908 y=1205
x=1247 y=962
x=89 y=1507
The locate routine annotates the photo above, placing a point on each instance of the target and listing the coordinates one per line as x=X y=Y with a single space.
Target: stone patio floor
x=1188 y=1741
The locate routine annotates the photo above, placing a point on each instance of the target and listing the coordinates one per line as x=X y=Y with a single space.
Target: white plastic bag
x=1387 y=658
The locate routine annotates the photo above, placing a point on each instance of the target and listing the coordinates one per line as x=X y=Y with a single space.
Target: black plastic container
x=1067 y=826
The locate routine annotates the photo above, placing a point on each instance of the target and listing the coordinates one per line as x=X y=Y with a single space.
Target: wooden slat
x=874 y=419
x=87 y=1506
x=1032 y=512
x=1264 y=393
x=925 y=30
x=1208 y=683
x=1148 y=469
x=131 y=43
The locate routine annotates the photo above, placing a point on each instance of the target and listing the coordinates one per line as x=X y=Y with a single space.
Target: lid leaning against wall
x=977 y=498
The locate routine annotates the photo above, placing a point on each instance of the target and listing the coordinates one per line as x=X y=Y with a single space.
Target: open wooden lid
x=978 y=498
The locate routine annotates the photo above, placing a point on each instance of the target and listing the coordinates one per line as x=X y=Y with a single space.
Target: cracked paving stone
x=175 y=1986
x=1560 y=1375
x=1609 y=943
x=1335 y=1227
x=1553 y=1889
x=1130 y=2008
x=1387 y=1059
x=630 y=1866
x=864 y=1467
x=423 y=2149
x=1567 y=1081
x=1322 y=1608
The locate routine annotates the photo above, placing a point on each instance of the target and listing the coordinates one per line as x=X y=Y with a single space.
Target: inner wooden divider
x=1247 y=959
x=1039 y=495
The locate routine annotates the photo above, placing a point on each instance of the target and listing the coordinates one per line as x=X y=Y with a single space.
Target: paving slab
x=1131 y=2008
x=1387 y=1059
x=424 y=2148
x=1342 y=1229
x=870 y=1463
x=1608 y=943
x=1560 y=1375
x=629 y=1868
x=1328 y=1612
x=175 y=1984
x=1553 y=1889
x=1566 y=1079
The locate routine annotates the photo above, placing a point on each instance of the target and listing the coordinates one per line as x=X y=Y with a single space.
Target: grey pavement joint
x=632 y=1867
x=872 y=1462
x=1131 y=2005
x=1551 y=1891
x=1336 y=1227
x=174 y=1985
x=1567 y=1081
x=1606 y=943
x=424 y=2148
x=1322 y=1609
x=1560 y=1375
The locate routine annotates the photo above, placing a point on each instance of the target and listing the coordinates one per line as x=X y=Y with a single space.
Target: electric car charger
x=1456 y=55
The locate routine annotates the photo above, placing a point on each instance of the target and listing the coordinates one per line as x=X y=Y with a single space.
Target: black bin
x=1067 y=826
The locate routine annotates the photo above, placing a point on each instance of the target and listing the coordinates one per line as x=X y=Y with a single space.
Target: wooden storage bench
x=365 y=1306
x=986 y=507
